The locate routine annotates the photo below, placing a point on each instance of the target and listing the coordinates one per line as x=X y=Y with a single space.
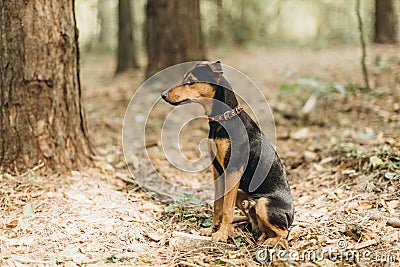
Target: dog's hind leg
x=273 y=224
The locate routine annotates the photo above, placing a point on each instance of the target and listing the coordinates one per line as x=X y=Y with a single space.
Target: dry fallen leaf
x=304 y=199
x=364 y=206
x=375 y=161
x=326 y=160
x=318 y=167
x=387 y=207
x=326 y=263
x=310 y=156
x=319 y=212
x=310 y=104
x=345 y=165
x=155 y=236
x=394 y=204
x=105 y=167
x=29 y=210
x=300 y=134
x=12 y=224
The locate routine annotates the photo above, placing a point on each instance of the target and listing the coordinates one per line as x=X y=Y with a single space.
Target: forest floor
x=341 y=151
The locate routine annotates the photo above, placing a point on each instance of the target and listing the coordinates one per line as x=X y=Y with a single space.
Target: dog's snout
x=164 y=94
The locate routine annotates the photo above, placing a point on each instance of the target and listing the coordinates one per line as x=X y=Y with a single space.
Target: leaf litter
x=340 y=145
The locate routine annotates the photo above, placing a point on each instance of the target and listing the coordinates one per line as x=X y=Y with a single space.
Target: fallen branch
x=185 y=241
x=394 y=222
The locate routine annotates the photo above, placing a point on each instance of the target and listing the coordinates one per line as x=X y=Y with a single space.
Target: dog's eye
x=190 y=82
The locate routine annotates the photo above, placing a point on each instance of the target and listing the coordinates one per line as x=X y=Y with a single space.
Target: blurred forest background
x=248 y=24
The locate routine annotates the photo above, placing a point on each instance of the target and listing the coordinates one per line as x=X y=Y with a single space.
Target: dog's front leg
x=218 y=203
x=232 y=181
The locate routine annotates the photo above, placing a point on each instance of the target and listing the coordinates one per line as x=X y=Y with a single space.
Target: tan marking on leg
x=218 y=207
x=223 y=145
x=232 y=182
x=261 y=239
x=222 y=148
x=280 y=235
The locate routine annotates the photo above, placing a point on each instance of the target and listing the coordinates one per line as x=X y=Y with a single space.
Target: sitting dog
x=246 y=168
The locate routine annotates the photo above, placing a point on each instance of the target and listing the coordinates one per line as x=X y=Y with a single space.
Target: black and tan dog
x=247 y=171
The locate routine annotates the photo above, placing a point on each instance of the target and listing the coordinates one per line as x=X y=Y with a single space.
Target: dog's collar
x=227 y=115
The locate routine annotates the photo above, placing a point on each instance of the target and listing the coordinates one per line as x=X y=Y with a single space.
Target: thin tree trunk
x=220 y=18
x=41 y=114
x=172 y=33
x=363 y=45
x=386 y=22
x=105 y=16
x=126 y=45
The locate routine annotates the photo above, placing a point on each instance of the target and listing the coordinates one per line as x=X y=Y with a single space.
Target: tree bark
x=126 y=46
x=386 y=22
x=172 y=33
x=41 y=115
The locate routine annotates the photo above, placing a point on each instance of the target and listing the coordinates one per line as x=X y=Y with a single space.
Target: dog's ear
x=216 y=67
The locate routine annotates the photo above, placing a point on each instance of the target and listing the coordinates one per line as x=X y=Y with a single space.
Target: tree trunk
x=126 y=45
x=386 y=22
x=41 y=117
x=220 y=19
x=172 y=33
x=105 y=17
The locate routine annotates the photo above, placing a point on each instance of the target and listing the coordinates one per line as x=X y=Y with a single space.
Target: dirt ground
x=340 y=145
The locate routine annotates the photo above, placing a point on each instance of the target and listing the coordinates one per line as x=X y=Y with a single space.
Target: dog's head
x=197 y=84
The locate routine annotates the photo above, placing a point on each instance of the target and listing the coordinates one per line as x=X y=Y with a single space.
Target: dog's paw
x=220 y=236
x=225 y=231
x=275 y=242
x=261 y=239
x=207 y=231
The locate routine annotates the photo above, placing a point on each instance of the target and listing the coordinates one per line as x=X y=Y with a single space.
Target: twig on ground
x=41 y=203
x=365 y=244
x=26 y=260
x=152 y=143
x=40 y=165
x=125 y=179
